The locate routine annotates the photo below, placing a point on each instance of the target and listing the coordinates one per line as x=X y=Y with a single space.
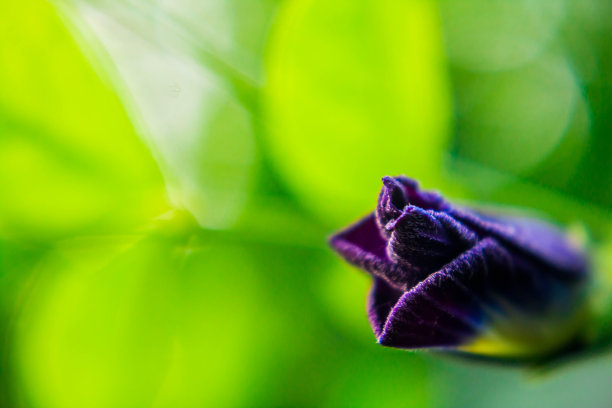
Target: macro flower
x=453 y=278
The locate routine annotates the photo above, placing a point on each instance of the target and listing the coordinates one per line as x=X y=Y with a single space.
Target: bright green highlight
x=345 y=77
x=70 y=160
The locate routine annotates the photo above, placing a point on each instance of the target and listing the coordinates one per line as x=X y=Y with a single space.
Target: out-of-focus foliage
x=196 y=116
x=530 y=102
x=70 y=160
x=345 y=89
x=136 y=321
x=266 y=125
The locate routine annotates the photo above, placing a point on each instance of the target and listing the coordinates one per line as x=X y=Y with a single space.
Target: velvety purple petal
x=362 y=245
x=381 y=300
x=423 y=241
x=443 y=275
x=473 y=291
x=441 y=311
x=391 y=201
x=482 y=287
x=417 y=322
x=536 y=238
x=397 y=193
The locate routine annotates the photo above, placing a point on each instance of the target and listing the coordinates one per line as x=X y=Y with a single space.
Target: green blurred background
x=170 y=170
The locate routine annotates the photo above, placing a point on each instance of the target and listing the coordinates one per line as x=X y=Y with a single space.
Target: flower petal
x=450 y=277
x=542 y=240
x=381 y=300
x=362 y=245
x=485 y=290
x=398 y=192
x=423 y=241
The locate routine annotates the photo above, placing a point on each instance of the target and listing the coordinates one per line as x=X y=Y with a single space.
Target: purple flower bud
x=454 y=278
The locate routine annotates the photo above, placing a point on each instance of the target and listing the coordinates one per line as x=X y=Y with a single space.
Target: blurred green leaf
x=343 y=292
x=15 y=261
x=96 y=329
x=356 y=91
x=587 y=38
x=70 y=160
x=167 y=319
x=192 y=72
x=231 y=31
x=496 y=35
x=228 y=333
x=458 y=383
x=388 y=378
x=513 y=120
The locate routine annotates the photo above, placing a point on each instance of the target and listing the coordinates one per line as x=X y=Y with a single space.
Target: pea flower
x=452 y=278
